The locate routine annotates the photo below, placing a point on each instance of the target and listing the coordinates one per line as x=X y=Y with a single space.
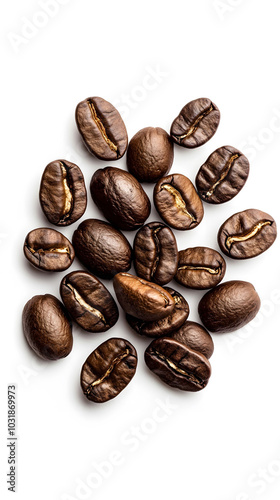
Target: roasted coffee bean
x=247 y=234
x=229 y=306
x=63 y=195
x=120 y=197
x=196 y=123
x=194 y=336
x=177 y=202
x=155 y=253
x=47 y=327
x=200 y=268
x=89 y=302
x=108 y=370
x=167 y=325
x=150 y=154
x=223 y=175
x=177 y=365
x=48 y=250
x=101 y=248
x=102 y=128
x=141 y=298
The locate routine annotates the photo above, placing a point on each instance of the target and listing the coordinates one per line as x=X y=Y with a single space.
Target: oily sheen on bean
x=88 y=302
x=140 y=298
x=196 y=337
x=229 y=306
x=108 y=370
x=167 y=325
x=200 y=268
x=48 y=250
x=47 y=327
x=63 y=194
x=102 y=128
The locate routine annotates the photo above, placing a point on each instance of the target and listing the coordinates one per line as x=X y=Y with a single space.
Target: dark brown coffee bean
x=196 y=123
x=200 y=268
x=47 y=327
x=167 y=325
x=177 y=365
x=48 y=250
x=194 y=336
x=108 y=370
x=63 y=195
x=89 y=302
x=150 y=154
x=247 y=234
x=102 y=128
x=120 y=197
x=177 y=202
x=229 y=306
x=223 y=175
x=141 y=298
x=155 y=253
x=101 y=248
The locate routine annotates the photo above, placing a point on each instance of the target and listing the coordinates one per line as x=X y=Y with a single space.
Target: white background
x=221 y=443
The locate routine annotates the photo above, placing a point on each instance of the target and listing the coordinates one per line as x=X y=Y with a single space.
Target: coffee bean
x=141 y=298
x=102 y=128
x=196 y=123
x=177 y=365
x=120 y=197
x=194 y=336
x=101 y=248
x=47 y=328
x=200 y=268
x=88 y=301
x=63 y=194
x=150 y=154
x=223 y=175
x=108 y=370
x=177 y=202
x=48 y=250
x=229 y=306
x=155 y=253
x=167 y=325
x=247 y=234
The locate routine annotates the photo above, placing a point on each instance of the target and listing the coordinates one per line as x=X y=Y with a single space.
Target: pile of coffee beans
x=180 y=350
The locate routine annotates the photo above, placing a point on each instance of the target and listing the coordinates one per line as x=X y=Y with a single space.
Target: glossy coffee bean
x=48 y=250
x=150 y=154
x=177 y=202
x=88 y=302
x=63 y=194
x=177 y=365
x=194 y=336
x=229 y=306
x=247 y=234
x=200 y=268
x=223 y=175
x=167 y=325
x=196 y=123
x=120 y=197
x=155 y=253
x=101 y=248
x=102 y=128
x=108 y=370
x=142 y=299
x=47 y=328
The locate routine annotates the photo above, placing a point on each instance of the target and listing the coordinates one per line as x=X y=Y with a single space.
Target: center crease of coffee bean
x=230 y=240
x=115 y=361
x=101 y=128
x=223 y=174
x=84 y=304
x=194 y=126
x=68 y=203
x=210 y=270
x=157 y=245
x=48 y=250
x=181 y=204
x=189 y=376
